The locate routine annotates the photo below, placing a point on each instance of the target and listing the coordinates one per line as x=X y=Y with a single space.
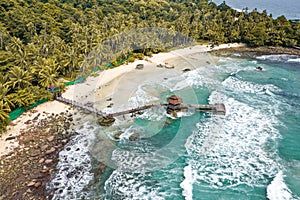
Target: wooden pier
x=79 y=105
x=215 y=108
x=134 y=110
x=174 y=105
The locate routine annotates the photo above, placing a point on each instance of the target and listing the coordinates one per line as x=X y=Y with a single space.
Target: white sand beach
x=119 y=84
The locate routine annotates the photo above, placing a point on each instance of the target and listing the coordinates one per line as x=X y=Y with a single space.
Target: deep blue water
x=289 y=8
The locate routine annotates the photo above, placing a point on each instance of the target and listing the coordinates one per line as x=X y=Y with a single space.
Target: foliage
x=42 y=41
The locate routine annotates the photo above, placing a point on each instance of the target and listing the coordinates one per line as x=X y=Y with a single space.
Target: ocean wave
x=131 y=186
x=230 y=151
x=142 y=97
x=187 y=183
x=240 y=86
x=278 y=190
x=200 y=77
x=279 y=58
x=294 y=60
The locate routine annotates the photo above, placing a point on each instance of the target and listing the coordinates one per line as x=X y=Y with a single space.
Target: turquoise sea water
x=252 y=152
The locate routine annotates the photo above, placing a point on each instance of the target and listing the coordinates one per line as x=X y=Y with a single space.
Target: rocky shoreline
x=25 y=172
x=256 y=51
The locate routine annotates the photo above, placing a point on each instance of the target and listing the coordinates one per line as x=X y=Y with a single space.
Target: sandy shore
x=112 y=87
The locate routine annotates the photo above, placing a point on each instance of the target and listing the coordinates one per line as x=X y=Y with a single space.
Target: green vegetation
x=42 y=41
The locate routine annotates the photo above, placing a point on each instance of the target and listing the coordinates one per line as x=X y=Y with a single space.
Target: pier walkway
x=215 y=108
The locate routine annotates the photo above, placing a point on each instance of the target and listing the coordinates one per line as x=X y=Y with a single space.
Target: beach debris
x=160 y=66
x=139 y=66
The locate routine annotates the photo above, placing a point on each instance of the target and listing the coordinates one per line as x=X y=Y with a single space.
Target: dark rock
x=186 y=70
x=139 y=66
x=48 y=161
x=10 y=138
x=110 y=105
x=31 y=183
x=46 y=170
x=38 y=184
x=50 y=150
x=27 y=122
x=43 y=148
x=168 y=121
x=134 y=137
x=117 y=136
x=106 y=121
x=35 y=153
x=169 y=66
x=51 y=138
x=259 y=68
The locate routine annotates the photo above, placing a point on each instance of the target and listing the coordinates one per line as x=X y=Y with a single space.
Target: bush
x=131 y=59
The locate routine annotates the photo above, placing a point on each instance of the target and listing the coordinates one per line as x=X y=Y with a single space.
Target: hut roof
x=174 y=100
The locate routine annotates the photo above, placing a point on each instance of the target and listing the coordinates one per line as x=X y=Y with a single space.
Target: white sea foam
x=279 y=58
x=278 y=190
x=238 y=86
x=230 y=151
x=294 y=60
x=141 y=98
x=130 y=186
x=187 y=184
x=200 y=77
x=264 y=97
x=73 y=167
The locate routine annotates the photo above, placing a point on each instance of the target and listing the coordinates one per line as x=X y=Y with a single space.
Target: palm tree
x=18 y=78
x=5 y=96
x=47 y=77
x=15 y=45
x=4 y=111
x=4 y=35
x=24 y=97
